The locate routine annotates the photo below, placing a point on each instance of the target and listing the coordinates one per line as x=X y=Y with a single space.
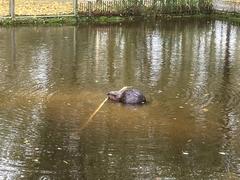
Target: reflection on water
x=53 y=78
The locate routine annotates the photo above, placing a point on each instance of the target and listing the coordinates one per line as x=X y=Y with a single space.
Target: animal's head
x=114 y=95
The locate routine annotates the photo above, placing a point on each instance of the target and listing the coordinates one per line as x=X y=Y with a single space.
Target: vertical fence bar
x=75 y=7
x=12 y=8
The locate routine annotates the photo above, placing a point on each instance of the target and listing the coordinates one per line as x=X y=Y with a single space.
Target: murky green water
x=53 y=78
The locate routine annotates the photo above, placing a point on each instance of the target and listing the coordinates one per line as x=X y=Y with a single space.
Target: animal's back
x=133 y=96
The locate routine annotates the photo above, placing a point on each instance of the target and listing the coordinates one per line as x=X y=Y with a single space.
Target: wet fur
x=127 y=96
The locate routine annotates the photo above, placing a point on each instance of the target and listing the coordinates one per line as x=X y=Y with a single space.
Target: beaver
x=127 y=96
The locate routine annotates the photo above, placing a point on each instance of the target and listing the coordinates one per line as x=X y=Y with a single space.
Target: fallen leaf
x=65 y=162
x=205 y=110
x=222 y=153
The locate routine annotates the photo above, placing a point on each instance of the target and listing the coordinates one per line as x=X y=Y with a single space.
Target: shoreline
x=110 y=19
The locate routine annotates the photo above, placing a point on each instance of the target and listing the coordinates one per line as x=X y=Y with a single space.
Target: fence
x=127 y=7
x=16 y=8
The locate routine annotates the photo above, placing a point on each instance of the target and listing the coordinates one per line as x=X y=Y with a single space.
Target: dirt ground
x=4 y=7
x=36 y=7
x=53 y=7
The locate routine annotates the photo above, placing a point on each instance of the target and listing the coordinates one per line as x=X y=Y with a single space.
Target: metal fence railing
x=141 y=6
x=15 y=8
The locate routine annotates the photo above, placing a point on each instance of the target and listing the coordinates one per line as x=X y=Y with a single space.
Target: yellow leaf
x=205 y=110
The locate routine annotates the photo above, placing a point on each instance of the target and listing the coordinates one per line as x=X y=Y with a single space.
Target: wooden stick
x=99 y=107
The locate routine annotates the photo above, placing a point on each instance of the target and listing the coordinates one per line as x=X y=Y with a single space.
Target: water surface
x=53 y=78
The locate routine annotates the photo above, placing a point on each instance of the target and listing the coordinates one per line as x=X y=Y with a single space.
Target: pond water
x=53 y=78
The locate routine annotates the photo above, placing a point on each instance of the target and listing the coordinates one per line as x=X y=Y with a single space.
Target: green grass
x=39 y=20
x=102 y=19
x=230 y=17
x=55 y=21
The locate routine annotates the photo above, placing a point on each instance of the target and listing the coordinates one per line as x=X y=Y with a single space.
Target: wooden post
x=12 y=8
x=75 y=7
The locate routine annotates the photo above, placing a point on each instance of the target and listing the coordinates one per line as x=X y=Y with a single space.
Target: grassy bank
x=226 y=16
x=38 y=21
x=71 y=20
